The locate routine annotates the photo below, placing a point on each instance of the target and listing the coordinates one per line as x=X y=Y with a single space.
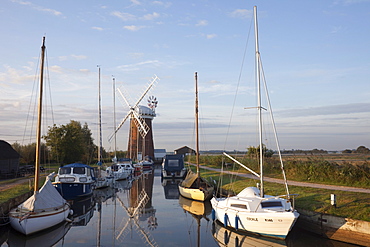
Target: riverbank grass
x=349 y=204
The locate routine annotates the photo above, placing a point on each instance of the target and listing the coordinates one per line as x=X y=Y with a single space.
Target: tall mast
x=114 y=117
x=259 y=97
x=196 y=124
x=39 y=113
x=100 y=134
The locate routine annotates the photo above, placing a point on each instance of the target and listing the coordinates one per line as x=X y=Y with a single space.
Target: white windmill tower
x=140 y=132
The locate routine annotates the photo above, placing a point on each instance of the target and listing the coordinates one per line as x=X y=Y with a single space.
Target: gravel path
x=295 y=183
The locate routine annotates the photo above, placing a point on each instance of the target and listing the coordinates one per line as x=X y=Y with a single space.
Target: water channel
x=147 y=211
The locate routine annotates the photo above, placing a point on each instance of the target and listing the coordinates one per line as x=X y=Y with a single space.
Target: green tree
x=362 y=150
x=28 y=153
x=70 y=143
x=255 y=151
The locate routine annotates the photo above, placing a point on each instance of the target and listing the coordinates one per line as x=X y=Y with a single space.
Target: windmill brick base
x=135 y=142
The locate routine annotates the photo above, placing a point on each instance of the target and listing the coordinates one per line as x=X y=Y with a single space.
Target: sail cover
x=189 y=179
x=46 y=198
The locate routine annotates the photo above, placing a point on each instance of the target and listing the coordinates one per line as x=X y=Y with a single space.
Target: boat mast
x=196 y=124
x=114 y=117
x=259 y=98
x=39 y=113
x=100 y=134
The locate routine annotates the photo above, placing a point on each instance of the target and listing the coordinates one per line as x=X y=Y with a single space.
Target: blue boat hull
x=71 y=191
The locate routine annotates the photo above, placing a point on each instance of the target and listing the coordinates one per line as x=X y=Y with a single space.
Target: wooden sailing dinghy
x=46 y=207
x=194 y=186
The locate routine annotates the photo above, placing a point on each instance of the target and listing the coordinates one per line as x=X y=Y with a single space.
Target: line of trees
x=63 y=144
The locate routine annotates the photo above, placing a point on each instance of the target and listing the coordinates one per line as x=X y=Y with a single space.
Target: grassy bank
x=349 y=204
x=342 y=170
x=13 y=192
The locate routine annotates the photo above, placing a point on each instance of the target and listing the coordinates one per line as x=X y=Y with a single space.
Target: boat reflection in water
x=171 y=188
x=48 y=237
x=121 y=185
x=198 y=210
x=83 y=210
x=228 y=237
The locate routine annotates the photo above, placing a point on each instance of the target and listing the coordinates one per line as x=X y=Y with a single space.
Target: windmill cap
x=145 y=112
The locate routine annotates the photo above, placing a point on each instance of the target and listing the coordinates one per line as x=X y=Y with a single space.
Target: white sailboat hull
x=247 y=213
x=28 y=222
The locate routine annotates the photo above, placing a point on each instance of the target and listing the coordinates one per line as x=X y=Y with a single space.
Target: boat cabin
x=75 y=173
x=247 y=200
x=173 y=166
x=75 y=180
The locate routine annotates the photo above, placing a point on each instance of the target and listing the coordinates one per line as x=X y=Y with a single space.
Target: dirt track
x=295 y=183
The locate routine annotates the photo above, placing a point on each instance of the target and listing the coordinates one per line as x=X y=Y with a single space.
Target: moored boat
x=146 y=164
x=75 y=180
x=251 y=209
x=46 y=207
x=173 y=166
x=194 y=186
x=123 y=169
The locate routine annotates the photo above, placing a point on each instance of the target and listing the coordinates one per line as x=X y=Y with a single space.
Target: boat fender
x=237 y=241
x=226 y=218
x=237 y=222
x=213 y=214
x=69 y=220
x=226 y=237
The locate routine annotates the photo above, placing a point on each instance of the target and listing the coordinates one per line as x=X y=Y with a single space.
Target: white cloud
x=135 y=2
x=349 y=2
x=202 y=23
x=98 y=28
x=149 y=17
x=75 y=57
x=124 y=16
x=21 y=2
x=129 y=67
x=241 y=13
x=52 y=11
x=164 y=4
x=39 y=8
x=328 y=110
x=133 y=27
x=56 y=69
x=211 y=36
x=79 y=57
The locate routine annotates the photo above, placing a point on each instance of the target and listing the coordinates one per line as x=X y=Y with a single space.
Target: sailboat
x=46 y=207
x=251 y=209
x=101 y=181
x=121 y=168
x=194 y=186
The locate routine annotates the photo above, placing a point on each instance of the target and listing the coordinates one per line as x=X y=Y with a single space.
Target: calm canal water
x=146 y=211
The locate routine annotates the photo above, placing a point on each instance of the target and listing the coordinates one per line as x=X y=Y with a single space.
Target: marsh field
x=351 y=170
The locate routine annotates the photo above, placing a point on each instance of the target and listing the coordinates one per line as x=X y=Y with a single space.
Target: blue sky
x=315 y=56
